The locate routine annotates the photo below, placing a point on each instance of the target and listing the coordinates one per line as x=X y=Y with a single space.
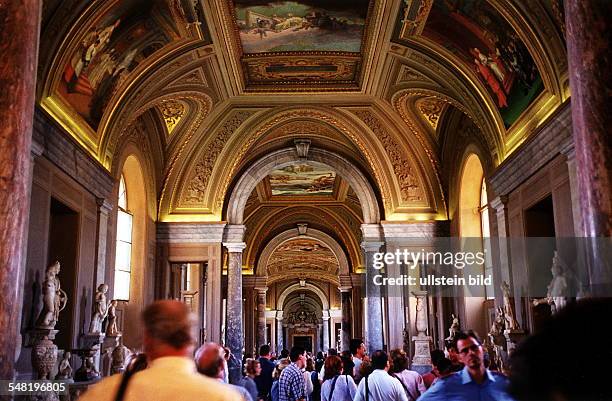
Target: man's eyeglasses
x=466 y=350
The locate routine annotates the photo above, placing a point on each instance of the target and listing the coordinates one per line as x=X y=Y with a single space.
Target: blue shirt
x=460 y=387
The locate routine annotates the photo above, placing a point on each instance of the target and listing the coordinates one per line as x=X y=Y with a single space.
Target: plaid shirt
x=291 y=384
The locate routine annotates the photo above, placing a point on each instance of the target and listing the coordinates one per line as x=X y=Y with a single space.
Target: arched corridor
x=298 y=174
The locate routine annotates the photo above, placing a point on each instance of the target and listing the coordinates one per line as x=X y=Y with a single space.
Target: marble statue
x=558 y=286
x=64 y=371
x=100 y=309
x=54 y=298
x=511 y=323
x=454 y=327
x=111 y=327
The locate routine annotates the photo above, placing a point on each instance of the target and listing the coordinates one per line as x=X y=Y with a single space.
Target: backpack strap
x=367 y=391
x=333 y=386
x=408 y=393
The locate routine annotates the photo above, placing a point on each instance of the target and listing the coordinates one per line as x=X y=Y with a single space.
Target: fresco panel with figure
x=478 y=35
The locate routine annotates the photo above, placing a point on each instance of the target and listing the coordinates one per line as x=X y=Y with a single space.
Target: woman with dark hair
x=311 y=371
x=253 y=369
x=337 y=386
x=411 y=381
x=347 y=363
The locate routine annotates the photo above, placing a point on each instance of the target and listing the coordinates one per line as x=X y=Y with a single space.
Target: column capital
x=372 y=246
x=568 y=150
x=345 y=289
x=234 y=246
x=325 y=314
x=499 y=202
x=279 y=315
x=261 y=290
x=373 y=232
x=234 y=233
x=104 y=206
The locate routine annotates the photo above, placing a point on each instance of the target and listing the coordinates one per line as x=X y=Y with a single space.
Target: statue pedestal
x=91 y=343
x=44 y=352
x=110 y=343
x=88 y=370
x=513 y=337
x=421 y=362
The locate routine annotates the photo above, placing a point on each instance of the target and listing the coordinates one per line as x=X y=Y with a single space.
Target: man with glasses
x=474 y=382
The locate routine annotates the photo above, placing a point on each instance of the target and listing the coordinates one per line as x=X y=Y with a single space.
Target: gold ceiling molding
x=267 y=220
x=431 y=109
x=459 y=92
x=283 y=115
x=194 y=193
x=172 y=112
x=410 y=186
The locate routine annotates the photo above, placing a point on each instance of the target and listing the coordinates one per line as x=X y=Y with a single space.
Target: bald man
x=171 y=375
x=210 y=361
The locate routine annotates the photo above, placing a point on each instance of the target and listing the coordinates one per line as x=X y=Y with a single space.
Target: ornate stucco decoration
x=172 y=111
x=431 y=108
x=411 y=190
x=195 y=190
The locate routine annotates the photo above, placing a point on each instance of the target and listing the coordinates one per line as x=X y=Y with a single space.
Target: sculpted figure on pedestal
x=54 y=298
x=100 y=309
x=111 y=327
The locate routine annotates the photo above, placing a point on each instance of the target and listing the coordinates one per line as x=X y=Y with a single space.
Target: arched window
x=484 y=210
x=123 y=256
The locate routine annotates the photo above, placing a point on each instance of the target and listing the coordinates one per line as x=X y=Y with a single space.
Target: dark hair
x=465 y=335
x=444 y=366
x=332 y=351
x=319 y=355
x=539 y=365
x=399 y=360
x=333 y=367
x=379 y=359
x=264 y=350
x=436 y=355
x=354 y=345
x=284 y=353
x=296 y=352
x=347 y=363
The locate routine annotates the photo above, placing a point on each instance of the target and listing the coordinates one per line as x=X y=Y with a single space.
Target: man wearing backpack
x=379 y=385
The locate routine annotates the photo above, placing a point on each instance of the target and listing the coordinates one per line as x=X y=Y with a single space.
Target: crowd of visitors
x=169 y=369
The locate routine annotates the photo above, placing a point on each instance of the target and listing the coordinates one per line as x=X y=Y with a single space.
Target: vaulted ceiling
x=204 y=88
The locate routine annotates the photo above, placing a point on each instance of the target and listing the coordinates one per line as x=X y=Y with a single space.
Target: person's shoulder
x=499 y=377
x=106 y=389
x=214 y=388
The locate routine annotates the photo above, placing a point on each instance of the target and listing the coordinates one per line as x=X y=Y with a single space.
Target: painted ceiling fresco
x=302 y=254
x=120 y=40
x=475 y=32
x=302 y=25
x=302 y=180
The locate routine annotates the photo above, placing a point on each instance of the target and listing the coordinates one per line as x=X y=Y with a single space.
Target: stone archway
x=317 y=157
x=311 y=233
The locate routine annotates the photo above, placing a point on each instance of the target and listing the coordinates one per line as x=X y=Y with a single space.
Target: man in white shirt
x=210 y=361
x=171 y=375
x=380 y=386
x=358 y=350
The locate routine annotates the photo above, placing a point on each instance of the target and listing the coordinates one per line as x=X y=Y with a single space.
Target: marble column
x=104 y=208
x=374 y=318
x=502 y=270
x=233 y=332
x=325 y=330
x=590 y=73
x=261 y=316
x=19 y=48
x=345 y=325
x=279 y=332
